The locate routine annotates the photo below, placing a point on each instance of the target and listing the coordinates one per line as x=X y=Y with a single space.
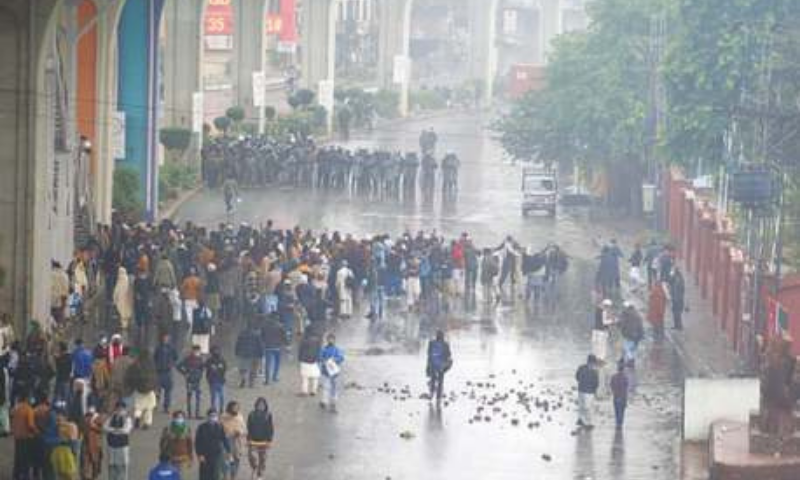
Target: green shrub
x=222 y=124
x=428 y=99
x=235 y=113
x=387 y=104
x=173 y=178
x=126 y=196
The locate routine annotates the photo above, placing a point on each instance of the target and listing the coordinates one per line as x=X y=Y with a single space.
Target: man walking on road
x=588 y=381
x=118 y=430
x=677 y=294
x=330 y=361
x=440 y=361
x=165 y=358
x=192 y=367
x=211 y=445
x=619 y=390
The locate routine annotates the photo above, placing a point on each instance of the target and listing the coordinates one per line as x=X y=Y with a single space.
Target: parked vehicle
x=539 y=190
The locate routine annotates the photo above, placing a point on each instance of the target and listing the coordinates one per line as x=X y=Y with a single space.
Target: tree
x=237 y=115
x=270 y=113
x=222 y=124
x=301 y=99
x=126 y=197
x=176 y=141
x=594 y=109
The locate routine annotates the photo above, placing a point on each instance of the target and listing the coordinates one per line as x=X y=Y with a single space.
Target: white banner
x=197 y=112
x=259 y=87
x=118 y=135
x=326 y=94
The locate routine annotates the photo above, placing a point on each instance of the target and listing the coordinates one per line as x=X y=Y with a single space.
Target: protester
x=118 y=428
x=677 y=292
x=25 y=431
x=260 y=434
x=656 y=308
x=216 y=368
x=330 y=361
x=631 y=328
x=619 y=390
x=308 y=356
x=588 y=382
x=248 y=350
x=192 y=368
x=202 y=327
x=142 y=381
x=164 y=470
x=440 y=360
x=274 y=339
x=165 y=358
x=211 y=447
x=177 y=444
x=235 y=429
x=92 y=446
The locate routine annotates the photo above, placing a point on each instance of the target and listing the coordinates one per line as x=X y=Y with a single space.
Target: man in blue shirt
x=331 y=358
x=82 y=361
x=164 y=470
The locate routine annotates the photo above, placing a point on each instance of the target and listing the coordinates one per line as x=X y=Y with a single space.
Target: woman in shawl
x=123 y=298
x=232 y=422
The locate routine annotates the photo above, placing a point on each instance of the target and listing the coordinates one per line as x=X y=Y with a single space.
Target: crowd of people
x=253 y=161
x=167 y=297
x=619 y=327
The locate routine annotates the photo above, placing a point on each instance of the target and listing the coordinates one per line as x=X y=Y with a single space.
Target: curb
x=173 y=208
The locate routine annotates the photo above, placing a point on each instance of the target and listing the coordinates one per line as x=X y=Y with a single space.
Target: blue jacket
x=164 y=471
x=327 y=352
x=82 y=360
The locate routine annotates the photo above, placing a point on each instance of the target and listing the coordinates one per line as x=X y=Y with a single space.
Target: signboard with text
x=219 y=25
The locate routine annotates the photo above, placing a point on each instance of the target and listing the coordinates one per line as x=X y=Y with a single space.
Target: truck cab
x=539 y=190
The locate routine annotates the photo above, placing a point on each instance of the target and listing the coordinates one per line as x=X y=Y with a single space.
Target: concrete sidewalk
x=702 y=346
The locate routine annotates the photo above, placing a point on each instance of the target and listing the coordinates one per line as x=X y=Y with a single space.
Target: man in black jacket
x=260 y=433
x=211 y=446
x=165 y=358
x=216 y=368
x=274 y=336
x=440 y=360
x=588 y=381
x=677 y=293
x=249 y=350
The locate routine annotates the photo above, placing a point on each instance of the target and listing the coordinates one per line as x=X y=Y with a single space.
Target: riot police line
x=259 y=161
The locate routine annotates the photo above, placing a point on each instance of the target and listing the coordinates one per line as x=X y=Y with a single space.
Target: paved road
x=495 y=424
x=505 y=348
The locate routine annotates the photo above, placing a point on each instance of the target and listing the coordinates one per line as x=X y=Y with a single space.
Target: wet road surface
x=507 y=364
x=510 y=411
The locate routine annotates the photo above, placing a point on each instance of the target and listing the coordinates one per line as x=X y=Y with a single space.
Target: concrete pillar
x=184 y=22
x=248 y=46
x=106 y=108
x=318 y=41
x=394 y=38
x=483 y=48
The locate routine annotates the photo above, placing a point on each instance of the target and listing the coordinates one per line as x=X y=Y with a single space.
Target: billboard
x=218 y=25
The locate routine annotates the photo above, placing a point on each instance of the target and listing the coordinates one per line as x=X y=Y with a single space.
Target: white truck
x=539 y=190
